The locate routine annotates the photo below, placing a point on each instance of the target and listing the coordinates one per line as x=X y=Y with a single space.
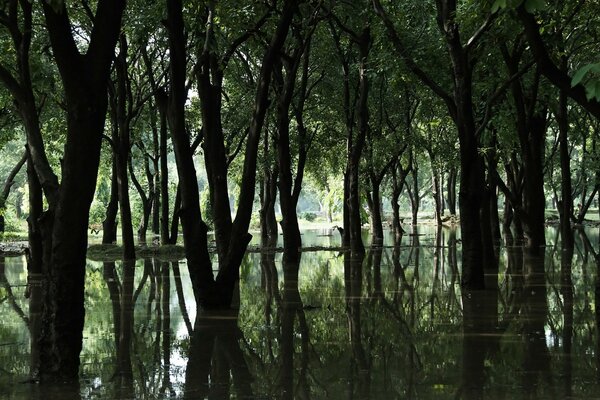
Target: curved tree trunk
x=10 y=181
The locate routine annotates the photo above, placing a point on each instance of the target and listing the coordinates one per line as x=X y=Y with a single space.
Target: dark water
x=394 y=325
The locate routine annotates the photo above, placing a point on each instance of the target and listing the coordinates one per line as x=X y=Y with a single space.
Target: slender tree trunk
x=122 y=143
x=109 y=225
x=10 y=181
x=289 y=223
x=451 y=191
x=268 y=194
x=35 y=239
x=354 y=206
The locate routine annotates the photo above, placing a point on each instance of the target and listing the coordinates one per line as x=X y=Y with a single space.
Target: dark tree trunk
x=109 y=225
x=36 y=208
x=155 y=192
x=565 y=205
x=165 y=237
x=398 y=183
x=413 y=194
x=85 y=82
x=363 y=42
x=176 y=217
x=147 y=200
x=195 y=238
x=121 y=134
x=268 y=194
x=124 y=366
x=451 y=191
x=374 y=203
x=534 y=201
x=229 y=272
x=531 y=129
x=285 y=85
x=194 y=229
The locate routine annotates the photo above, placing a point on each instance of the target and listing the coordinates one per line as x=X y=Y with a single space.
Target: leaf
x=580 y=74
x=535 y=5
x=498 y=4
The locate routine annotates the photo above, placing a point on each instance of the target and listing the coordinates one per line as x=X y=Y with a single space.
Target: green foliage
x=530 y=5
x=309 y=216
x=592 y=83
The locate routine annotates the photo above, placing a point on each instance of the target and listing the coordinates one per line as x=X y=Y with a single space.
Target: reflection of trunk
x=180 y=296
x=291 y=304
x=166 y=323
x=270 y=284
x=534 y=312
x=353 y=289
x=215 y=343
x=480 y=318
x=35 y=313
x=124 y=368
x=566 y=289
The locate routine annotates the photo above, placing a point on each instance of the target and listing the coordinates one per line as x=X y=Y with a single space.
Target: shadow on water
x=393 y=323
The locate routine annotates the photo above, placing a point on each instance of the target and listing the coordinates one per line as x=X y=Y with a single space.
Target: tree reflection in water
x=393 y=324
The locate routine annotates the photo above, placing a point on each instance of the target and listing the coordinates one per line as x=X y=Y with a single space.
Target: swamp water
x=394 y=325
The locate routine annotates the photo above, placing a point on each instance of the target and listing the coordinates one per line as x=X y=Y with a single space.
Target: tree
x=84 y=78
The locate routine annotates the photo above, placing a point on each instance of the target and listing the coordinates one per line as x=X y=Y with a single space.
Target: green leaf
x=498 y=4
x=535 y=5
x=580 y=74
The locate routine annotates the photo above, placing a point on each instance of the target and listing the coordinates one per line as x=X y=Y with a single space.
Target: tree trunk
x=451 y=191
x=85 y=83
x=34 y=233
x=10 y=181
x=165 y=237
x=354 y=206
x=285 y=85
x=109 y=225
x=194 y=229
x=121 y=130
x=375 y=211
x=268 y=194
x=229 y=273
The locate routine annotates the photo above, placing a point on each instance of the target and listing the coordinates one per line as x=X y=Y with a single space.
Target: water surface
x=393 y=325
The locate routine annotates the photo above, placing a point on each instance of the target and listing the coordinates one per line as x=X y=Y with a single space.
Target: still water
x=393 y=325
